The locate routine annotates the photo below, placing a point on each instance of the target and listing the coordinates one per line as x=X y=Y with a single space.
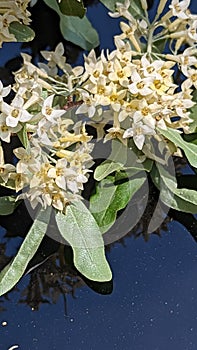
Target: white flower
x=192 y=77
x=181 y=105
x=60 y=172
x=6 y=131
x=128 y=109
x=15 y=112
x=21 y=180
x=67 y=177
x=138 y=132
x=54 y=58
x=28 y=160
x=140 y=85
x=122 y=11
x=120 y=74
x=115 y=133
x=145 y=114
x=88 y=105
x=100 y=89
x=179 y=8
x=45 y=133
x=50 y=113
x=123 y=52
x=116 y=98
x=94 y=70
x=151 y=69
x=192 y=31
x=4 y=91
x=187 y=59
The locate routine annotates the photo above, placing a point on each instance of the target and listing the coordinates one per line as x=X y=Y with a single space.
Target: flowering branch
x=130 y=97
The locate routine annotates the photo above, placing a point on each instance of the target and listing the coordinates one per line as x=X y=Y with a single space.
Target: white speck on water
x=4 y=323
x=71 y=319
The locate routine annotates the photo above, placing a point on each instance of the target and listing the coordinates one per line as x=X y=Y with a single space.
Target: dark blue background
x=153 y=305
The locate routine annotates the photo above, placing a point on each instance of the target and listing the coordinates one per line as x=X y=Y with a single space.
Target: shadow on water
x=52 y=272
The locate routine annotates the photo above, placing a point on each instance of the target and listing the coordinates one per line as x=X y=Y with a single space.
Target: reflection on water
x=52 y=273
x=153 y=300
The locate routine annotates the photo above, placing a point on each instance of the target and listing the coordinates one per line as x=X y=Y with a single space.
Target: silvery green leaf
x=21 y=31
x=7 y=205
x=79 y=228
x=113 y=194
x=77 y=30
x=182 y=199
x=72 y=8
x=12 y=273
x=189 y=149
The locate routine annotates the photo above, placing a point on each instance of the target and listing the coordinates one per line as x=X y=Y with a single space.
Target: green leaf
x=146 y=166
x=72 y=8
x=118 y=152
x=12 y=273
x=124 y=158
x=110 y=4
x=192 y=138
x=171 y=182
x=80 y=230
x=190 y=149
x=106 y=168
x=136 y=9
x=21 y=32
x=9 y=184
x=7 y=205
x=22 y=135
x=77 y=30
x=116 y=161
x=182 y=199
x=180 y=203
x=113 y=194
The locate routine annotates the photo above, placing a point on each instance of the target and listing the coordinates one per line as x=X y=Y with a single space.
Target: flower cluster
x=132 y=89
x=50 y=180
x=55 y=162
x=139 y=88
x=12 y=11
x=139 y=92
